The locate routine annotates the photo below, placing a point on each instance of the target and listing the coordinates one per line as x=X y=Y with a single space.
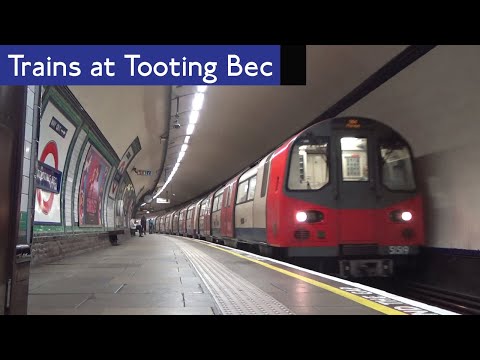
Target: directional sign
x=144 y=172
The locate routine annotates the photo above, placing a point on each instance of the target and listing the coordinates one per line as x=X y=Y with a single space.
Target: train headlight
x=401 y=216
x=309 y=216
x=406 y=216
x=301 y=216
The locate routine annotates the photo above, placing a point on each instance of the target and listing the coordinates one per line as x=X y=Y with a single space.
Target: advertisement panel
x=92 y=185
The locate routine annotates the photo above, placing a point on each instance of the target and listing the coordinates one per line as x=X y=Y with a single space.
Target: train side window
x=309 y=167
x=396 y=166
x=220 y=201
x=242 y=192
x=354 y=159
x=251 y=188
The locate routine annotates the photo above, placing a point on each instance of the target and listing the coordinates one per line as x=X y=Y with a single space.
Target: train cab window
x=242 y=192
x=396 y=166
x=309 y=168
x=251 y=188
x=354 y=159
x=189 y=214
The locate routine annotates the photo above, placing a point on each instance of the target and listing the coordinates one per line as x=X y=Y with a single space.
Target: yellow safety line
x=368 y=303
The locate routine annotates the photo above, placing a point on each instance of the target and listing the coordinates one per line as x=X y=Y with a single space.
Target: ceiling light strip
x=197 y=104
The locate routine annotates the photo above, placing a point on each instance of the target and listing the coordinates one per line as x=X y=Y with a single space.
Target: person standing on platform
x=133 y=227
x=144 y=224
x=150 y=226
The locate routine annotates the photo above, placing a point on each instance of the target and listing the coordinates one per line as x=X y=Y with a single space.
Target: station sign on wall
x=48 y=178
x=163 y=201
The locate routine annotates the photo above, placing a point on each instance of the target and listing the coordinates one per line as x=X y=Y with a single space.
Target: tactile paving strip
x=233 y=294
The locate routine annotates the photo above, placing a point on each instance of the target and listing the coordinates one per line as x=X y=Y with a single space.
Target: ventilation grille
x=302 y=234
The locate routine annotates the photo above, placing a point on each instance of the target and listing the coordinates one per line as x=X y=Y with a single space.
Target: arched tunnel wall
x=94 y=198
x=435 y=104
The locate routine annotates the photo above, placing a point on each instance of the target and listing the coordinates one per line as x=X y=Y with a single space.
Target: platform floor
x=170 y=275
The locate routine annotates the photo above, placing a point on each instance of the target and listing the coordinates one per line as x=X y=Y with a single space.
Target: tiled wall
x=29 y=154
x=71 y=177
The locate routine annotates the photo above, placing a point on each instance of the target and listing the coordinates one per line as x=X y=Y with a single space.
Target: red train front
x=344 y=189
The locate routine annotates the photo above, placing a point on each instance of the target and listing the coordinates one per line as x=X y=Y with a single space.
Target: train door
x=224 y=213
x=229 y=218
x=196 y=219
x=216 y=215
x=201 y=221
x=260 y=201
x=244 y=206
x=355 y=185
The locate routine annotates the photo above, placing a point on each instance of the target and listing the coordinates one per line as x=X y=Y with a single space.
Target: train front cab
x=344 y=190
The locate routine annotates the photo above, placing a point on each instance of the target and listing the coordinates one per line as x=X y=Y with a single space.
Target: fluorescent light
x=143 y=204
x=190 y=129
x=197 y=102
x=194 y=117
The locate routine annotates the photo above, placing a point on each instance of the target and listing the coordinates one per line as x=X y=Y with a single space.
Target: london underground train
x=341 y=192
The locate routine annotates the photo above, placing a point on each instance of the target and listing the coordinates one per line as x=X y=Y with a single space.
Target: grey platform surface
x=148 y=275
x=160 y=274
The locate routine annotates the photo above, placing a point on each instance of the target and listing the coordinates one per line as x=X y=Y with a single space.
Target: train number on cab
x=398 y=250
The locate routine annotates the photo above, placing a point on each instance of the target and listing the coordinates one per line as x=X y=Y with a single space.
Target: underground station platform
x=171 y=275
